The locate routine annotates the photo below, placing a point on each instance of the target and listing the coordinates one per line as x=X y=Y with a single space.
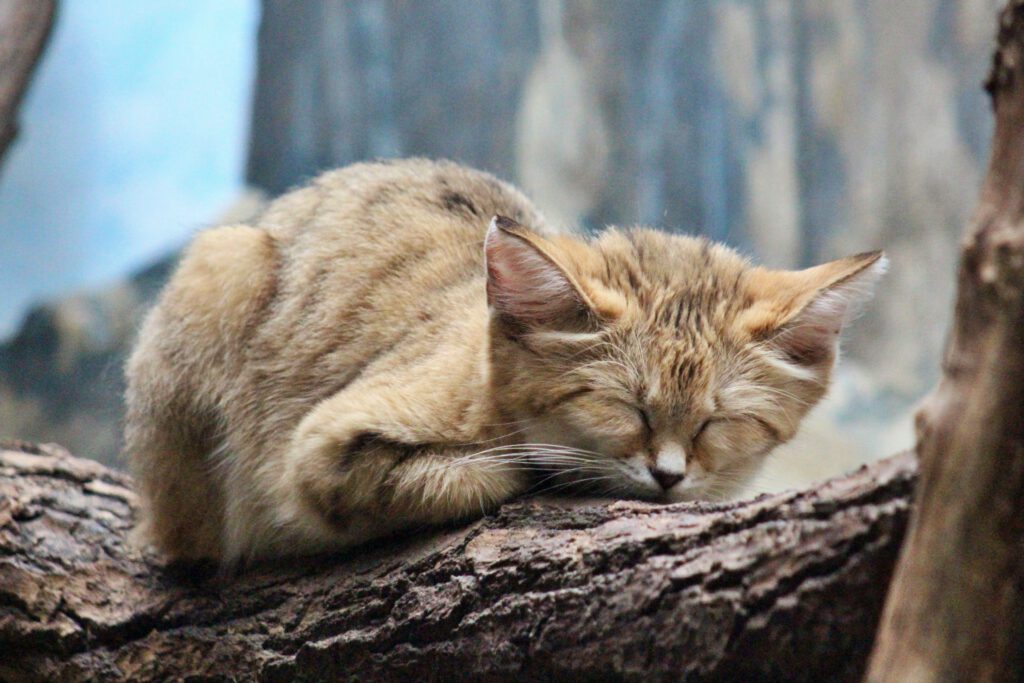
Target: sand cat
x=407 y=343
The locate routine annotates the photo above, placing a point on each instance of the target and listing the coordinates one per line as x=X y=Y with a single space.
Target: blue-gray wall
x=797 y=130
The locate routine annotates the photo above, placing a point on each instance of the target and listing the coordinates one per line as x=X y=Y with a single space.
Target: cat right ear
x=526 y=285
x=802 y=313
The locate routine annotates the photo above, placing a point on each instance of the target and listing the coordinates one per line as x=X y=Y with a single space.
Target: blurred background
x=796 y=131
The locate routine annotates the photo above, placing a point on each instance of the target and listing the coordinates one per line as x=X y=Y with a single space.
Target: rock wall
x=61 y=376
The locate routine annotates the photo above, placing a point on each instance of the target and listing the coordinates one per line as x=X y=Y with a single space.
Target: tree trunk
x=782 y=587
x=24 y=28
x=956 y=611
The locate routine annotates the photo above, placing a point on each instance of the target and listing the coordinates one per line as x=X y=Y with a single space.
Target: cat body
x=407 y=343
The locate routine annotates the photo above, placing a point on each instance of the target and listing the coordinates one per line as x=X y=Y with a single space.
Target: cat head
x=654 y=365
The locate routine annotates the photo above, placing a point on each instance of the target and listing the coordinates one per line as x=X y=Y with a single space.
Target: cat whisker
x=578 y=483
x=528 y=454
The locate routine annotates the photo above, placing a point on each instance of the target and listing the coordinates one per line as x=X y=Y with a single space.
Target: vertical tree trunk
x=956 y=607
x=24 y=28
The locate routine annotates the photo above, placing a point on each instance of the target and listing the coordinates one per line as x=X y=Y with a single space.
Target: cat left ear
x=526 y=284
x=817 y=303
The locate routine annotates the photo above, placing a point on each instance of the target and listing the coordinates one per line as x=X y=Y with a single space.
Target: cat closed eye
x=700 y=430
x=646 y=419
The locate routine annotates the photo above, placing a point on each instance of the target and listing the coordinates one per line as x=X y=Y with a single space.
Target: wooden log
x=788 y=586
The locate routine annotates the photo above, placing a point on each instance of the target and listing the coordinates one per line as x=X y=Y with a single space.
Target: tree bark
x=788 y=587
x=24 y=28
x=955 y=611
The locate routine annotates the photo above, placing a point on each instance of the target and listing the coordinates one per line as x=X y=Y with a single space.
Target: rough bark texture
x=958 y=596
x=783 y=587
x=24 y=28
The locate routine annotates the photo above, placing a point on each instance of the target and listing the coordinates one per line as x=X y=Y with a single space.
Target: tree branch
x=24 y=29
x=787 y=587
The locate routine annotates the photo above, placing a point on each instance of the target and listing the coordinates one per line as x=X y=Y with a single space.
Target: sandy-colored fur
x=334 y=372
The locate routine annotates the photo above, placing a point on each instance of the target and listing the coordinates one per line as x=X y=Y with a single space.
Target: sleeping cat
x=407 y=343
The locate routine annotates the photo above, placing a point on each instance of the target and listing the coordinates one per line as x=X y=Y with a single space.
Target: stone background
x=797 y=131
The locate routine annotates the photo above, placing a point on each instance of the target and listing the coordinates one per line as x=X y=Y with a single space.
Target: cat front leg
x=353 y=474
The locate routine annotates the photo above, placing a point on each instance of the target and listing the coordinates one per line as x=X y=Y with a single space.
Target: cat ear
x=525 y=283
x=817 y=303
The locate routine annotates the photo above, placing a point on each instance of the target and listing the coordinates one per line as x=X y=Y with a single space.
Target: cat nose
x=665 y=479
